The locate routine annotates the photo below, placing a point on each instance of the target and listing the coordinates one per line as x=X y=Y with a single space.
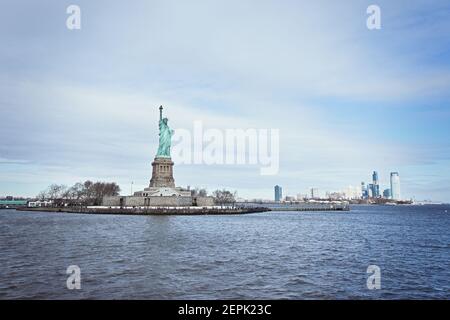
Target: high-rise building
x=363 y=190
x=387 y=193
x=376 y=186
x=395 y=186
x=370 y=189
x=366 y=190
x=278 y=193
x=375 y=177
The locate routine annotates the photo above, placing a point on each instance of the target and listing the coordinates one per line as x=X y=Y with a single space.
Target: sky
x=83 y=104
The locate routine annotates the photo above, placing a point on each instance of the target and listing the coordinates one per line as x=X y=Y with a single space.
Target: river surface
x=276 y=255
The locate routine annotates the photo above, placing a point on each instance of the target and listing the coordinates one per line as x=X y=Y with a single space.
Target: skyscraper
x=376 y=186
x=278 y=193
x=387 y=194
x=395 y=186
x=364 y=193
x=314 y=193
x=375 y=177
x=370 y=189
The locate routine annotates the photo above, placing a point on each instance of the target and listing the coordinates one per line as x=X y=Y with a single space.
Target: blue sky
x=82 y=104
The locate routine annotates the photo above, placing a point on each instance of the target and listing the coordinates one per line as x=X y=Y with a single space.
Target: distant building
x=370 y=190
x=290 y=198
x=387 y=193
x=376 y=190
x=12 y=203
x=395 y=186
x=375 y=177
x=375 y=185
x=39 y=203
x=365 y=190
x=278 y=193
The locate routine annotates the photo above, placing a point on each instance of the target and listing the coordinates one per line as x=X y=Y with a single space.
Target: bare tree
x=224 y=197
x=42 y=195
x=76 y=193
x=96 y=191
x=54 y=191
x=87 y=193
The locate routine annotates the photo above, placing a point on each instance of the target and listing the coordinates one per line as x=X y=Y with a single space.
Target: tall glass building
x=376 y=186
x=371 y=189
x=375 y=177
x=395 y=186
x=364 y=192
x=278 y=193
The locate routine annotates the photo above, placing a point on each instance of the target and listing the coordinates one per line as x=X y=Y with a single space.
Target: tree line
x=91 y=193
x=221 y=197
x=87 y=193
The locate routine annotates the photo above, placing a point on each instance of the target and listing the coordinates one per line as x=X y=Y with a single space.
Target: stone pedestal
x=162 y=174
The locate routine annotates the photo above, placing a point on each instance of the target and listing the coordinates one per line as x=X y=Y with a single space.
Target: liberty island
x=163 y=197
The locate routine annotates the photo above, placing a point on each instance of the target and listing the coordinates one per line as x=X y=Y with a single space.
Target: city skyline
x=364 y=191
x=79 y=104
x=349 y=192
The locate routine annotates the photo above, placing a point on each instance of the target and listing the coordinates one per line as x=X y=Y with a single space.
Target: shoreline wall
x=148 y=211
x=173 y=201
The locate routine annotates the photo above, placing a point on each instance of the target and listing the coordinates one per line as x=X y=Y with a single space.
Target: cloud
x=103 y=134
x=12 y=161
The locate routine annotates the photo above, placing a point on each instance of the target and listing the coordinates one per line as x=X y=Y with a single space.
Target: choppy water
x=278 y=255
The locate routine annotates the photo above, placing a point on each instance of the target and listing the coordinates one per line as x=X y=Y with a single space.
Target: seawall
x=151 y=211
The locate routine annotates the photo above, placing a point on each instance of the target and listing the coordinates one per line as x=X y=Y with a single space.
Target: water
x=277 y=255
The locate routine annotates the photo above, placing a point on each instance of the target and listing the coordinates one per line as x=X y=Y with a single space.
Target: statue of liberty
x=165 y=137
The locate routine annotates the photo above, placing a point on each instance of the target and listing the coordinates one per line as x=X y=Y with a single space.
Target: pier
x=299 y=206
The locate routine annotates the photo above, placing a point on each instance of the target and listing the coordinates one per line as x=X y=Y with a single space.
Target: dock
x=300 y=206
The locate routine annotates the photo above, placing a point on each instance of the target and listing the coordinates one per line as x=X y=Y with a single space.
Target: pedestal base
x=162 y=174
